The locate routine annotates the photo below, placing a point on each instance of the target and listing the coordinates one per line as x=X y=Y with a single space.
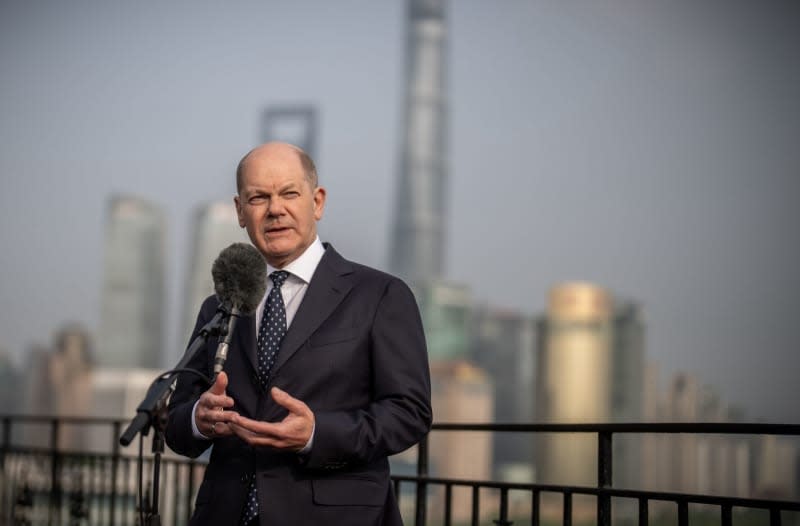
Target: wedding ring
x=214 y=428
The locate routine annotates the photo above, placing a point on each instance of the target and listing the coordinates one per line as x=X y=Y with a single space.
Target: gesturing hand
x=210 y=416
x=292 y=433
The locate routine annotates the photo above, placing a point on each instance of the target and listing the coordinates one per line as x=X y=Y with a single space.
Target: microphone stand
x=152 y=411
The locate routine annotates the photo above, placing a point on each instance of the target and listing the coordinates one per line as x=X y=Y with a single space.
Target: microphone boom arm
x=163 y=386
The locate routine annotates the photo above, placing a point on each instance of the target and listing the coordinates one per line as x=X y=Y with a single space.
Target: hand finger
x=220 y=429
x=220 y=384
x=286 y=400
x=256 y=427
x=257 y=439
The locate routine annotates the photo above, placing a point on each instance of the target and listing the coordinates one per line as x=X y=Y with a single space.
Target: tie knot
x=278 y=277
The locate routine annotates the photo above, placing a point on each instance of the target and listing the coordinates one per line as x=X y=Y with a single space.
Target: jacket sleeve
x=189 y=387
x=399 y=414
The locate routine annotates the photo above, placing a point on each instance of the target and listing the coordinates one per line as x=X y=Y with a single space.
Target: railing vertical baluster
x=476 y=505
x=604 y=476
x=115 y=456
x=535 y=504
x=683 y=513
x=567 y=519
x=190 y=495
x=726 y=518
x=6 y=495
x=422 y=487
x=503 y=520
x=94 y=493
x=448 y=504
x=644 y=511
x=54 y=512
x=127 y=518
x=774 y=517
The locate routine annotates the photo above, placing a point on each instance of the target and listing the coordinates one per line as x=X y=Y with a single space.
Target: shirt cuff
x=196 y=432
x=307 y=448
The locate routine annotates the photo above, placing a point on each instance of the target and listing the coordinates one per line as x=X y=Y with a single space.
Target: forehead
x=272 y=167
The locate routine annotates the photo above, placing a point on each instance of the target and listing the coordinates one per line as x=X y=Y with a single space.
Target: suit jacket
x=355 y=353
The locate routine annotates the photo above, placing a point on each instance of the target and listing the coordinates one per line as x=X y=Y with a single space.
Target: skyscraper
x=461 y=393
x=132 y=318
x=503 y=344
x=574 y=379
x=417 y=251
x=215 y=227
x=446 y=310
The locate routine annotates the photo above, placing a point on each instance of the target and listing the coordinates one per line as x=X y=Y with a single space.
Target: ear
x=239 y=212
x=319 y=202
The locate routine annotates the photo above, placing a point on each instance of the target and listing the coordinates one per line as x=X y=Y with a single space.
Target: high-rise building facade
x=446 y=310
x=215 y=227
x=504 y=346
x=573 y=386
x=132 y=317
x=574 y=376
x=461 y=393
x=418 y=237
x=627 y=395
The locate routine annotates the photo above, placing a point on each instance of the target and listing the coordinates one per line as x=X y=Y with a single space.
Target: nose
x=276 y=207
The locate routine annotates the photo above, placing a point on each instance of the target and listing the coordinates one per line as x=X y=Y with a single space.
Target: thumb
x=220 y=384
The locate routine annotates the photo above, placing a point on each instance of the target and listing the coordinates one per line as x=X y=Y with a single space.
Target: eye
x=291 y=194
x=257 y=200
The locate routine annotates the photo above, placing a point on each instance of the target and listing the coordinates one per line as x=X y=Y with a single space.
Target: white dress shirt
x=294 y=288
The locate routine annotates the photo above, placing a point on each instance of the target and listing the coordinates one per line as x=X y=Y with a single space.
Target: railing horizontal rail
x=610 y=492
x=671 y=427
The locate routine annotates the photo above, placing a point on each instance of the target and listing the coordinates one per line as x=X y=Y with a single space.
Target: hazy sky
x=650 y=147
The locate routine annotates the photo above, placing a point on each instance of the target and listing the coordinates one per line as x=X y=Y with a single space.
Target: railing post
x=644 y=519
x=536 y=502
x=190 y=494
x=54 y=515
x=3 y=455
x=117 y=431
x=604 y=476
x=448 y=504
x=774 y=517
x=683 y=513
x=6 y=440
x=476 y=504
x=422 y=487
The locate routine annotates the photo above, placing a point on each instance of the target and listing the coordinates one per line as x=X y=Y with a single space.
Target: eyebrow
x=258 y=190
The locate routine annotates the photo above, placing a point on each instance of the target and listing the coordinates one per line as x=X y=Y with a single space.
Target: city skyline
x=649 y=149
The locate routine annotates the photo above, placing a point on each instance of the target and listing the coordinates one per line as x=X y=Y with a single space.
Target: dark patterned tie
x=270 y=335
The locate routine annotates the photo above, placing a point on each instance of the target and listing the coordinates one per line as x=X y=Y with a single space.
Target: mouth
x=276 y=230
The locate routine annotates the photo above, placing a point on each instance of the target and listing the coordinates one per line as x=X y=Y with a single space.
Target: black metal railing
x=604 y=492
x=55 y=471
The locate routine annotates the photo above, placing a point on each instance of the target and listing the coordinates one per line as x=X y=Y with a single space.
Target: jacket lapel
x=246 y=339
x=327 y=289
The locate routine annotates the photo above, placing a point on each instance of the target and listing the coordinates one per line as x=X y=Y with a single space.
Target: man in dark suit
x=302 y=423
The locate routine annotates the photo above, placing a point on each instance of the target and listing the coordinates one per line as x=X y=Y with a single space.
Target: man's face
x=277 y=205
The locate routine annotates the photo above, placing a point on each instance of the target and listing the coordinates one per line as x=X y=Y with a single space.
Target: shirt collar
x=304 y=266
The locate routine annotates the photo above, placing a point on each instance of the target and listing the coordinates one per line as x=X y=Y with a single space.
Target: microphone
x=240 y=280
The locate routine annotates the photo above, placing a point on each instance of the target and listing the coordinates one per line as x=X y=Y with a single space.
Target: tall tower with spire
x=417 y=249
